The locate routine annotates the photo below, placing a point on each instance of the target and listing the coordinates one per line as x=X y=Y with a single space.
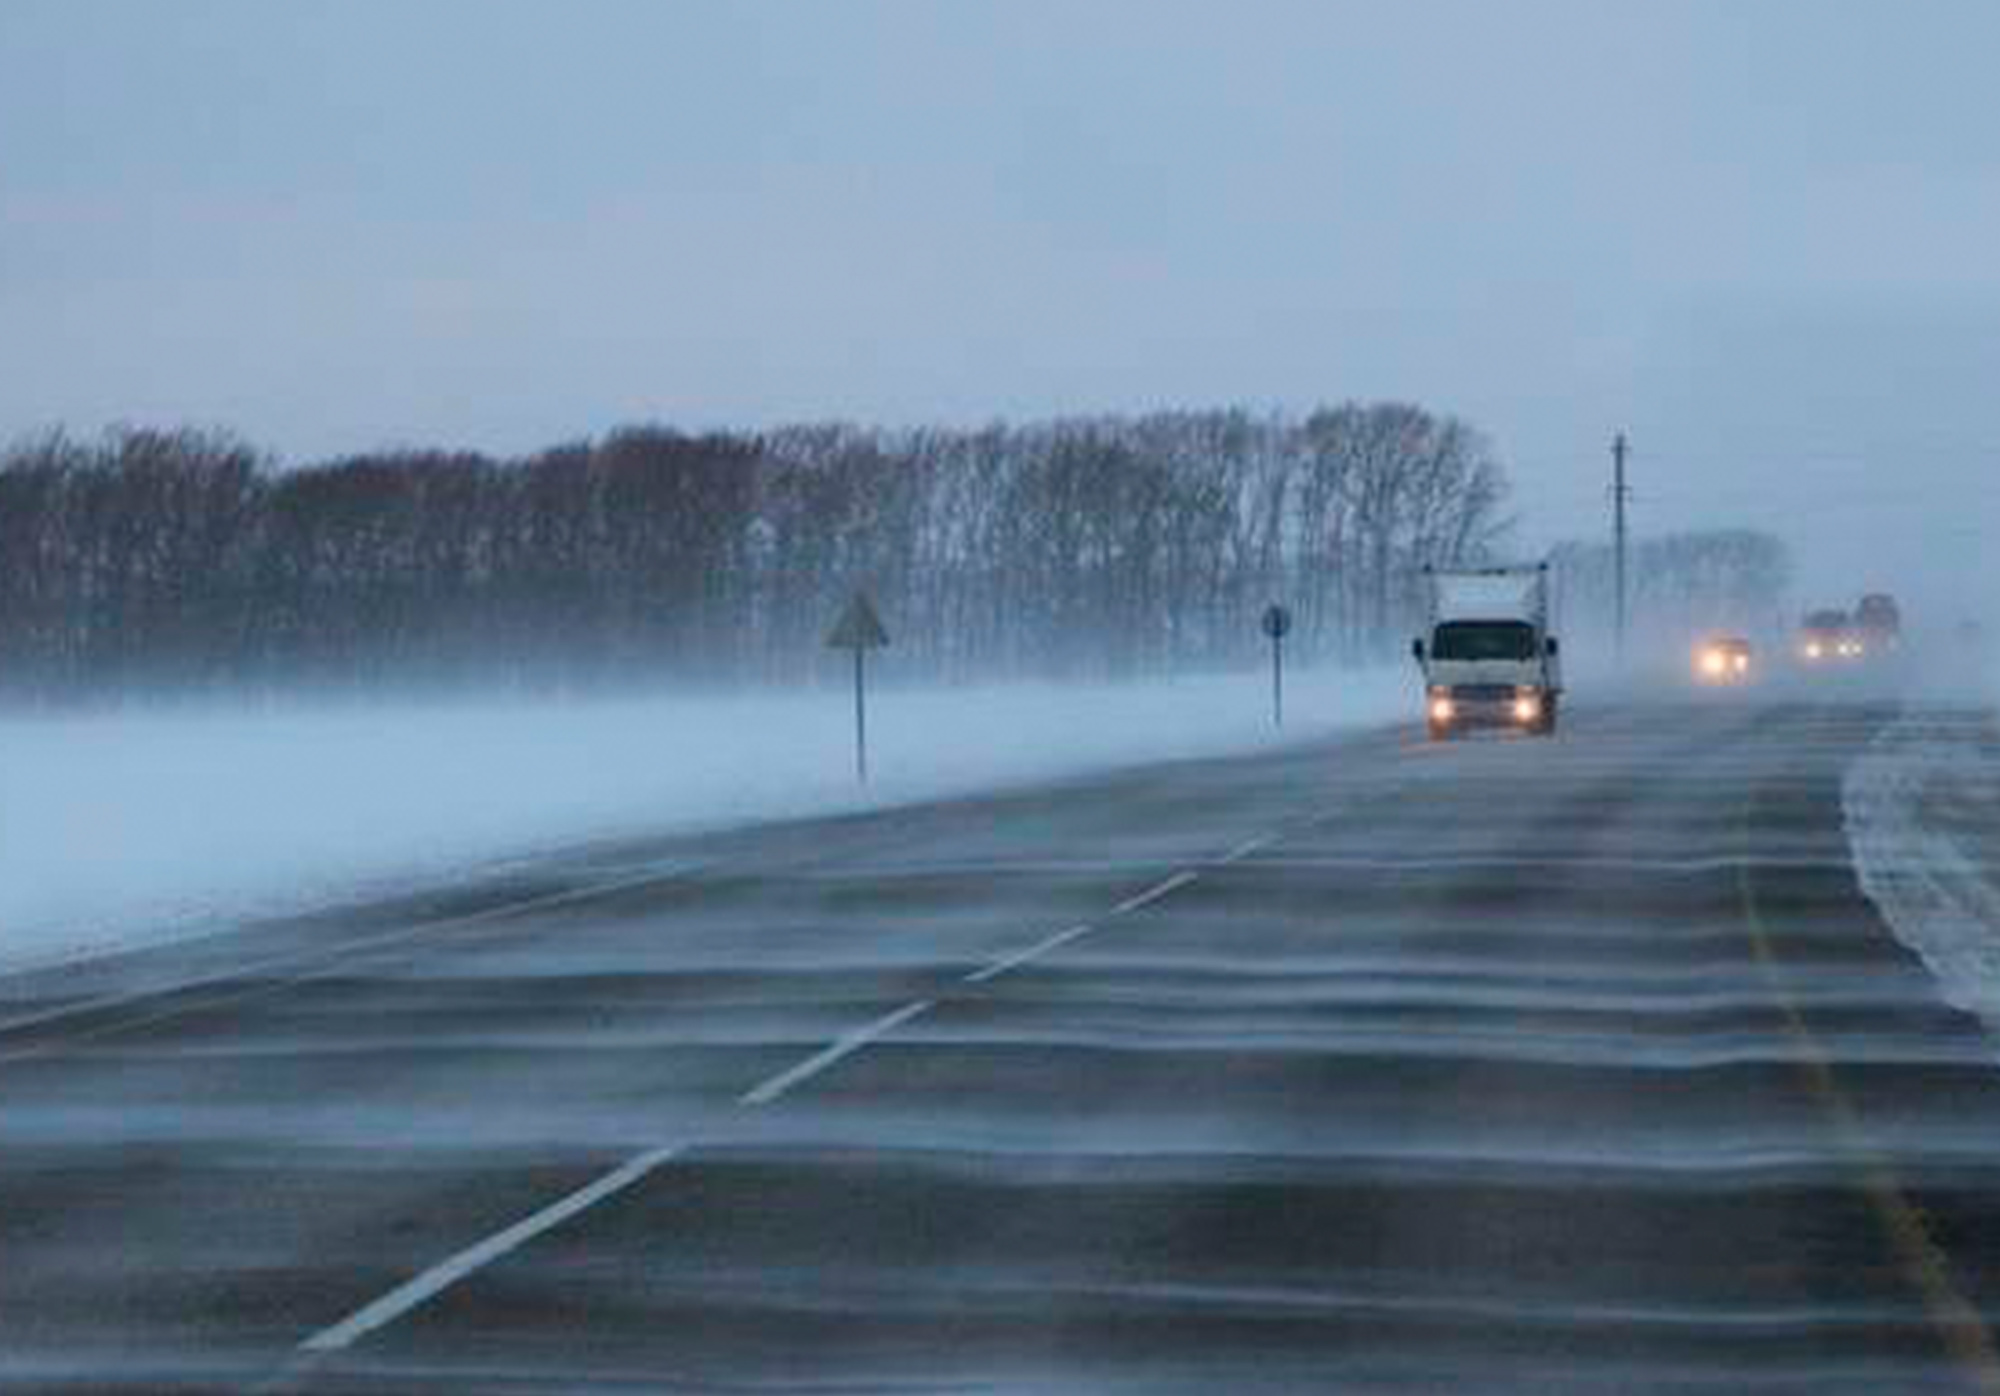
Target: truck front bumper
x=1453 y=709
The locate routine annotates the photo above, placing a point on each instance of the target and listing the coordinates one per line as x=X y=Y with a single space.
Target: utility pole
x=1619 y=494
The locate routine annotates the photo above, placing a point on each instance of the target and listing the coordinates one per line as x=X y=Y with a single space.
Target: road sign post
x=860 y=630
x=1277 y=624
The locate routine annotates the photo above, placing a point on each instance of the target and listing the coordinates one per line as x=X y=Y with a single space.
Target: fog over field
x=493 y=387
x=126 y=828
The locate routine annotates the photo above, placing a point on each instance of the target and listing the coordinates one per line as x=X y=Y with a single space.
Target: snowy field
x=123 y=829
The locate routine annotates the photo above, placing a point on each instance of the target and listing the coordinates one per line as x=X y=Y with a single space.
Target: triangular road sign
x=858 y=628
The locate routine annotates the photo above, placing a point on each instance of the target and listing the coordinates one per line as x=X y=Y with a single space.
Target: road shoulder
x=1921 y=808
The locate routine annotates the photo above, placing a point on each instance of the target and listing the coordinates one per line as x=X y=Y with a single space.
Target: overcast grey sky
x=1760 y=236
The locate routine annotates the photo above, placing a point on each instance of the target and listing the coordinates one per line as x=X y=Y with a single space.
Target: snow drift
x=1922 y=813
x=122 y=829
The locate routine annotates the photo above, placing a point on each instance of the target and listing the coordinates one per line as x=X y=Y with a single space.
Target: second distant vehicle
x=1723 y=660
x=1829 y=637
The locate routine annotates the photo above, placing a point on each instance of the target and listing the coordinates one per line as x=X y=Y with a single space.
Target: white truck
x=1488 y=657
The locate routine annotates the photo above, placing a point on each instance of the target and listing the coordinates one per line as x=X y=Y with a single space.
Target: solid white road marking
x=444 y=1275
x=845 y=1045
x=308 y=964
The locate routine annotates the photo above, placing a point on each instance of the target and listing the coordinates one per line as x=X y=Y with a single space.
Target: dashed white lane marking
x=445 y=1274
x=1153 y=894
x=1016 y=959
x=846 y=1045
x=1034 y=952
x=1247 y=847
x=440 y=1277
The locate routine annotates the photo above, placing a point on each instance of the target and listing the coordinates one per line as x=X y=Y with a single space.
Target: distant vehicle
x=1878 y=623
x=1487 y=656
x=1829 y=637
x=1723 y=660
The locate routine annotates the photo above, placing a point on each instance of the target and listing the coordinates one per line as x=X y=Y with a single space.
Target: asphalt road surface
x=1493 y=1066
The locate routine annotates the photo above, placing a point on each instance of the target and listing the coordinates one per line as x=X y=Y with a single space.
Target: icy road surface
x=1497 y=1066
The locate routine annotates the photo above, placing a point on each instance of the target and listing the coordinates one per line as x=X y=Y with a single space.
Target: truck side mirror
x=1417 y=650
x=1555 y=647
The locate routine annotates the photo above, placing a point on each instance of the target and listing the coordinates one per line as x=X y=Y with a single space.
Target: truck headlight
x=1713 y=662
x=1813 y=650
x=1527 y=707
x=1441 y=708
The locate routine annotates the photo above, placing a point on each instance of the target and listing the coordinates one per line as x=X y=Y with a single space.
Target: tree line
x=1685 y=582
x=1106 y=546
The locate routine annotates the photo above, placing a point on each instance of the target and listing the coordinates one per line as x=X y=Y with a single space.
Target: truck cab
x=1487 y=656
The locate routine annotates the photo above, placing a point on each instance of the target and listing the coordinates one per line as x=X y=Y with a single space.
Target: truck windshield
x=1484 y=639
